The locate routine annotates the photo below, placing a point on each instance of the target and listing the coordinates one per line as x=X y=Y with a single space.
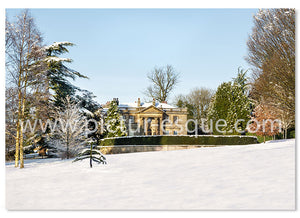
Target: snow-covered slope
x=260 y=176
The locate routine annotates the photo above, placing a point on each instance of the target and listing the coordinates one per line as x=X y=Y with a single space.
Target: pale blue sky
x=116 y=48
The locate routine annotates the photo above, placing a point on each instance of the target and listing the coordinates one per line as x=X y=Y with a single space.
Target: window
x=175 y=133
x=131 y=119
x=175 y=119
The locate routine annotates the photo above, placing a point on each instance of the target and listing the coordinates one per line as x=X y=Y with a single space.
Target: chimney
x=139 y=102
x=153 y=102
x=116 y=100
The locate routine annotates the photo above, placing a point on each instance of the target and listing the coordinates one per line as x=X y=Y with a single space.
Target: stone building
x=153 y=118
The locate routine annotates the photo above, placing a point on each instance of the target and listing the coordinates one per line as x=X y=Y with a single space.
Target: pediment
x=151 y=110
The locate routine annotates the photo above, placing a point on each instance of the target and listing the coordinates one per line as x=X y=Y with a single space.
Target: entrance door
x=149 y=120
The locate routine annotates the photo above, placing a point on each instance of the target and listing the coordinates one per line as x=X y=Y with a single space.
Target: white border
x=148 y=4
x=125 y=4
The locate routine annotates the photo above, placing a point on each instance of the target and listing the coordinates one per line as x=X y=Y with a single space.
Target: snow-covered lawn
x=258 y=176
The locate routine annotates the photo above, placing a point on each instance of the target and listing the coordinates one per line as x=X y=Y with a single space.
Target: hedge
x=180 y=140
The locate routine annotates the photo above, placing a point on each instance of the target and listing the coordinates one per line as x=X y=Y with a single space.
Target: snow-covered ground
x=260 y=176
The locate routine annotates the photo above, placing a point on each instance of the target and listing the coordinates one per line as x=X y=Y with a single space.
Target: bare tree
x=164 y=80
x=271 y=49
x=200 y=98
x=22 y=41
x=196 y=102
x=71 y=128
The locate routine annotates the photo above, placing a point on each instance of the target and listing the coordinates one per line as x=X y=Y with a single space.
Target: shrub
x=180 y=140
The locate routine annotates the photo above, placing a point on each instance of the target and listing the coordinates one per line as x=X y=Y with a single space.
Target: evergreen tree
x=232 y=104
x=241 y=80
x=114 y=125
x=219 y=105
x=91 y=110
x=58 y=73
x=92 y=154
x=86 y=100
x=239 y=109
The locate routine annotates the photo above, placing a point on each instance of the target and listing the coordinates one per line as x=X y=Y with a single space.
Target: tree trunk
x=18 y=139
x=68 y=150
x=67 y=141
x=23 y=109
x=22 y=123
x=91 y=156
x=17 y=146
x=20 y=69
x=17 y=154
x=21 y=146
x=264 y=139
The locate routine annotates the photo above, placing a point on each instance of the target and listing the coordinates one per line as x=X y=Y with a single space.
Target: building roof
x=145 y=105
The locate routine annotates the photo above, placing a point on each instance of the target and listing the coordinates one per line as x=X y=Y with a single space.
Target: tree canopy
x=163 y=80
x=271 y=52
